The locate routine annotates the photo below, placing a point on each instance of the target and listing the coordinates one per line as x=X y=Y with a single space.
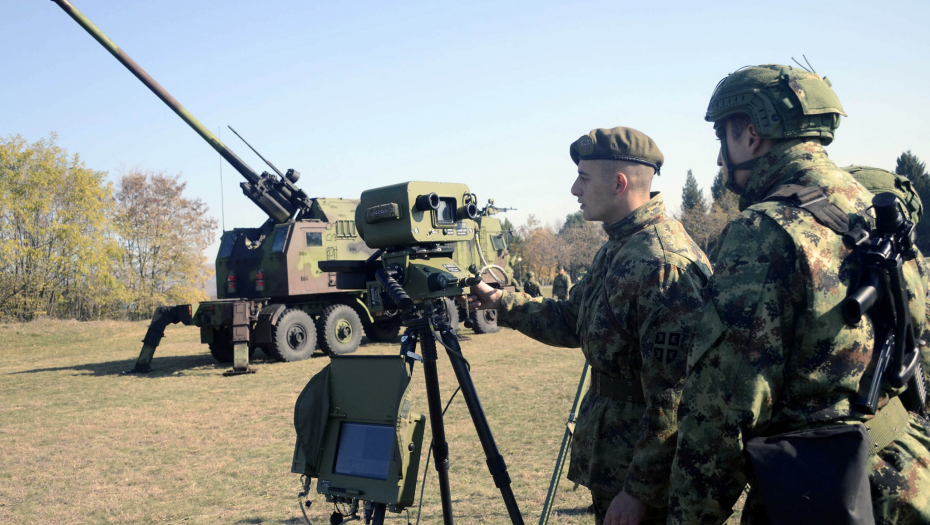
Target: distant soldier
x=561 y=284
x=631 y=315
x=531 y=285
x=777 y=369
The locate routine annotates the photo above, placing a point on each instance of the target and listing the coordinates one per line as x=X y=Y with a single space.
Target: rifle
x=881 y=288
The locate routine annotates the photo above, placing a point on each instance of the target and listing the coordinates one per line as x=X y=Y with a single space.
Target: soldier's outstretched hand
x=484 y=297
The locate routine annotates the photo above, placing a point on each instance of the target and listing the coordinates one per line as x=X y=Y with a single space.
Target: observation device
x=415 y=227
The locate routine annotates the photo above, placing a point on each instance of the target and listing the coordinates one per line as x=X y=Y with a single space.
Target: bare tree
x=163 y=235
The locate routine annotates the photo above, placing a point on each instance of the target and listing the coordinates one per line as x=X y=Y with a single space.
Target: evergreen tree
x=719 y=188
x=573 y=220
x=911 y=167
x=692 y=198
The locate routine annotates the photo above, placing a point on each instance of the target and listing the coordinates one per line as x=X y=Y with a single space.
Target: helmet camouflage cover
x=783 y=102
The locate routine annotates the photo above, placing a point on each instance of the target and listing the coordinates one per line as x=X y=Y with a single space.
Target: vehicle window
x=228 y=243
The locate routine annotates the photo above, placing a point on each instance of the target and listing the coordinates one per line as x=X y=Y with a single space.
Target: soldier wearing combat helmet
x=630 y=315
x=531 y=285
x=775 y=358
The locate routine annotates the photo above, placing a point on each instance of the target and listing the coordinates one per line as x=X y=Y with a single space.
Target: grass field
x=82 y=443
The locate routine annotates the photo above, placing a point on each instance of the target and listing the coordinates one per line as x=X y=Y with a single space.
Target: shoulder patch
x=667 y=347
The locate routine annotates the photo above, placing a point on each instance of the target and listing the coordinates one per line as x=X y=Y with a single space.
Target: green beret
x=617 y=144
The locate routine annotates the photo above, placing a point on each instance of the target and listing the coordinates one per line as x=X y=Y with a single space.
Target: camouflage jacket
x=652 y=274
x=560 y=285
x=531 y=286
x=774 y=354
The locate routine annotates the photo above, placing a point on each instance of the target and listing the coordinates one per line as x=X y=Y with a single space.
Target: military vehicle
x=271 y=293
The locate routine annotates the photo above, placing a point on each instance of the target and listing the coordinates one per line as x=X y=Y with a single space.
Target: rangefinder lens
x=427 y=202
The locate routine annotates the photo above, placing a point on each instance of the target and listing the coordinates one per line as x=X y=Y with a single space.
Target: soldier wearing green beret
x=776 y=362
x=561 y=284
x=531 y=285
x=630 y=314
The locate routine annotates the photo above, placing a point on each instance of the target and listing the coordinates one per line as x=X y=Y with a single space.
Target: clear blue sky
x=357 y=95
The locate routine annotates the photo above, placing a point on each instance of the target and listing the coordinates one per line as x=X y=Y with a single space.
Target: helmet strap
x=731 y=168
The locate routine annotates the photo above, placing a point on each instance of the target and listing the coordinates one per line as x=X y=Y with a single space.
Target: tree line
x=705 y=221
x=75 y=245
x=542 y=248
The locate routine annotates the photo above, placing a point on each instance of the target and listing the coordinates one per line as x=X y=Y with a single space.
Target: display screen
x=445 y=214
x=364 y=450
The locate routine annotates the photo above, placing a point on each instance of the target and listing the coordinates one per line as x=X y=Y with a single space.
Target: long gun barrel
x=279 y=198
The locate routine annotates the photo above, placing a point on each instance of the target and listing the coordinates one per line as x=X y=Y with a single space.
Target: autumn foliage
x=73 y=246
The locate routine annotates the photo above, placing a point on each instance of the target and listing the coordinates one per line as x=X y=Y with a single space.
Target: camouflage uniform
x=531 y=286
x=652 y=274
x=560 y=286
x=775 y=355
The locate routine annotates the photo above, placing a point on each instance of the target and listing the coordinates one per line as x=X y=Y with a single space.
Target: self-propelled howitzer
x=278 y=197
x=271 y=293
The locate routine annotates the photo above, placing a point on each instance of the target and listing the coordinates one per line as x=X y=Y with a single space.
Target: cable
x=301 y=503
x=485 y=262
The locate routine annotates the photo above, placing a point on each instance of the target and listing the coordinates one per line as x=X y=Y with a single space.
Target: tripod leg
x=496 y=464
x=566 y=445
x=378 y=514
x=434 y=401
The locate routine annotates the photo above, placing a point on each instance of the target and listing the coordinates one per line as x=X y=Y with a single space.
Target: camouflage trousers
x=602 y=502
x=900 y=481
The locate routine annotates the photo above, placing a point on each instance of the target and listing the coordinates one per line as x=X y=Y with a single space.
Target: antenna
x=801 y=65
x=222 y=204
x=257 y=153
x=809 y=64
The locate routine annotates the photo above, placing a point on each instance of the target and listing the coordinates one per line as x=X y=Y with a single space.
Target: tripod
x=422 y=321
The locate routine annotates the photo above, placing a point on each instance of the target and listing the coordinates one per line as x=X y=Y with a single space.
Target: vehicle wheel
x=463 y=313
x=339 y=330
x=222 y=346
x=382 y=331
x=485 y=322
x=294 y=337
x=452 y=313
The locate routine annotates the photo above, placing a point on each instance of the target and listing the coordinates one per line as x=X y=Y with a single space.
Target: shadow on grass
x=259 y=521
x=161 y=366
x=577 y=511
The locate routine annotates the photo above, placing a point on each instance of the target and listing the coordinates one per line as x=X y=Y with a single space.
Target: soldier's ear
x=622 y=182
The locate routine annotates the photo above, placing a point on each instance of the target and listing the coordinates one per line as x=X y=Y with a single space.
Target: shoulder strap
x=814 y=201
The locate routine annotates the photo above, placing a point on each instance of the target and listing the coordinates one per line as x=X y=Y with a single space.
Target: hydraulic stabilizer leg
x=566 y=446
x=164 y=315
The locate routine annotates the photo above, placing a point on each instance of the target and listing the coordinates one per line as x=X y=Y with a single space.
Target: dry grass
x=82 y=443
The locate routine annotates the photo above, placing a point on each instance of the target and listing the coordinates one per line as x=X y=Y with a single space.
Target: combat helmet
x=783 y=102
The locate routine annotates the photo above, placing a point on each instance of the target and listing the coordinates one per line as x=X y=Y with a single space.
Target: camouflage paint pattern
x=774 y=354
x=560 y=285
x=654 y=274
x=288 y=253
